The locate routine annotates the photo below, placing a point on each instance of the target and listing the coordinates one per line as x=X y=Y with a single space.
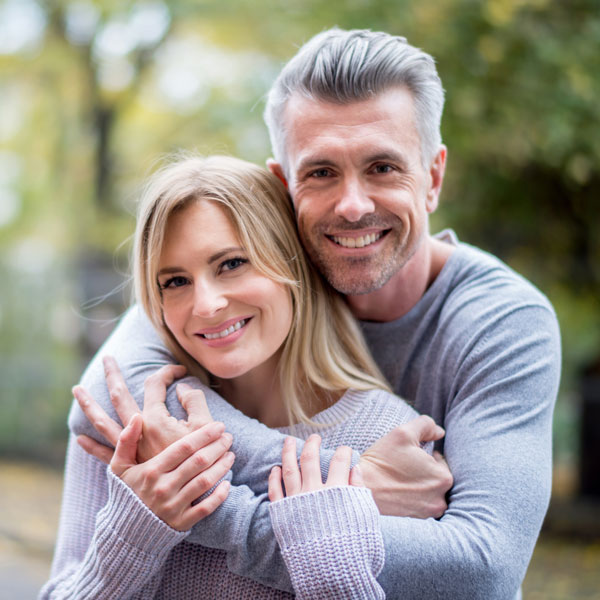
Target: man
x=354 y=121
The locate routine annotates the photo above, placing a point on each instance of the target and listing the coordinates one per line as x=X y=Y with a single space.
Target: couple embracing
x=309 y=316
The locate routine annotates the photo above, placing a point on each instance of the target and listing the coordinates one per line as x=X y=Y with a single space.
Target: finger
x=172 y=456
x=339 y=467
x=289 y=467
x=275 y=487
x=439 y=458
x=309 y=464
x=194 y=402
x=91 y=446
x=96 y=415
x=120 y=397
x=203 y=482
x=155 y=389
x=202 y=459
x=356 y=477
x=126 y=450
x=207 y=506
x=425 y=429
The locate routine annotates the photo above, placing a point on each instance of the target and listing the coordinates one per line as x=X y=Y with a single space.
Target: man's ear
x=436 y=178
x=277 y=170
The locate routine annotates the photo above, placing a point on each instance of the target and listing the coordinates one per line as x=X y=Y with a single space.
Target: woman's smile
x=224 y=333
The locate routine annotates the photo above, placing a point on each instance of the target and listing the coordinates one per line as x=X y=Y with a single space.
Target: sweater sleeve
x=331 y=543
x=110 y=545
x=498 y=445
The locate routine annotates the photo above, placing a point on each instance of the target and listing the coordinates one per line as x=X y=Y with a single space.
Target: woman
x=222 y=276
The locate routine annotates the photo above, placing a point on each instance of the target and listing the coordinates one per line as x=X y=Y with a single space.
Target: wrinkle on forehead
x=383 y=124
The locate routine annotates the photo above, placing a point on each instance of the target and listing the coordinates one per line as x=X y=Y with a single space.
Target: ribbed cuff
x=130 y=519
x=329 y=512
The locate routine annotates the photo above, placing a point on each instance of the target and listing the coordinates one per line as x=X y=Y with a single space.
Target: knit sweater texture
x=112 y=546
x=480 y=353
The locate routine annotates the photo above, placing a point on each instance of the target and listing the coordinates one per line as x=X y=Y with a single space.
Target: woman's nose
x=209 y=299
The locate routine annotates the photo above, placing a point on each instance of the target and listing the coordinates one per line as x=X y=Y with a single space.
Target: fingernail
x=184 y=387
x=227 y=436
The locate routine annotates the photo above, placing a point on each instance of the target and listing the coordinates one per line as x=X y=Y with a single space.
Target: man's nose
x=209 y=299
x=354 y=202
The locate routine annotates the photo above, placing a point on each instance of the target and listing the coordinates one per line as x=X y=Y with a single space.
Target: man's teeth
x=228 y=331
x=360 y=242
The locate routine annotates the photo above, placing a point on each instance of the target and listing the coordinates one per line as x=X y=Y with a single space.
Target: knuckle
x=289 y=471
x=186 y=447
x=151 y=476
x=308 y=455
x=199 y=460
x=161 y=493
x=400 y=434
x=439 y=508
x=203 y=482
x=116 y=390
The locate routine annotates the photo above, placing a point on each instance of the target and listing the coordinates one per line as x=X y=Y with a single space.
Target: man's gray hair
x=349 y=66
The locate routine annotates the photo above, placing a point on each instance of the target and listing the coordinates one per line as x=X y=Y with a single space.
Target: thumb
x=194 y=402
x=126 y=449
x=426 y=429
x=356 y=477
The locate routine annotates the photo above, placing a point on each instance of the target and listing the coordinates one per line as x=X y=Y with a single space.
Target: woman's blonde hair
x=324 y=349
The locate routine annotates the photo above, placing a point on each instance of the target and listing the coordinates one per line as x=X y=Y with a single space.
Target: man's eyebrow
x=313 y=162
x=211 y=259
x=387 y=156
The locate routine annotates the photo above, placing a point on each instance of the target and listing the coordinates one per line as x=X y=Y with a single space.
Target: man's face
x=358 y=185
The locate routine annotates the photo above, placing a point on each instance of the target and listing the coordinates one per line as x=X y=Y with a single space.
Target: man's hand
x=159 y=429
x=404 y=479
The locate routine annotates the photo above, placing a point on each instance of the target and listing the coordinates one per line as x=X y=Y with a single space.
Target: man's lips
x=223 y=329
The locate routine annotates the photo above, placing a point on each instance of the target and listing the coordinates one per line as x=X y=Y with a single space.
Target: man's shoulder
x=479 y=284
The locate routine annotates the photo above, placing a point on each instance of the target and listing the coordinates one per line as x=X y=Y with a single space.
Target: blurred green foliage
x=92 y=93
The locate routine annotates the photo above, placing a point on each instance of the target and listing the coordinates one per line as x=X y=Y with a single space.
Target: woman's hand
x=159 y=428
x=170 y=483
x=308 y=477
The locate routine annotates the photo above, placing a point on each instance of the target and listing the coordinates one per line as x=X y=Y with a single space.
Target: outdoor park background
x=92 y=93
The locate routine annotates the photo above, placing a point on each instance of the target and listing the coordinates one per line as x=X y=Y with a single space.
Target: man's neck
x=406 y=287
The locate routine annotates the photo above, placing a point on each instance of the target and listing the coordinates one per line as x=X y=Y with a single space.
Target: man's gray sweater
x=480 y=353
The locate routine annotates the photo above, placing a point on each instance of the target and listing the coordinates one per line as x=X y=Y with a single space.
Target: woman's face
x=222 y=311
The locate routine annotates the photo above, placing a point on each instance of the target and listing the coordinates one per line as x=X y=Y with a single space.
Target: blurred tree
x=93 y=91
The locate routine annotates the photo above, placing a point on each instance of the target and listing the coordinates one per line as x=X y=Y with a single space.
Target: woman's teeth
x=360 y=242
x=228 y=331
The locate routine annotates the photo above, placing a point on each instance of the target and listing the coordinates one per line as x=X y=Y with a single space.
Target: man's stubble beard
x=354 y=276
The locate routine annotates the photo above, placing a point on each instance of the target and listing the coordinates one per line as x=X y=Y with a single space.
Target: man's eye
x=383 y=168
x=320 y=173
x=232 y=264
x=174 y=282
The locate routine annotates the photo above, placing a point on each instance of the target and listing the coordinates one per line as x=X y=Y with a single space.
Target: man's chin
x=356 y=283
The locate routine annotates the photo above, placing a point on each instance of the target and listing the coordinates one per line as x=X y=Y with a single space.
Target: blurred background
x=93 y=93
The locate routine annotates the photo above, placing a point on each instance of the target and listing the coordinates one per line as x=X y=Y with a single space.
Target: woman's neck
x=257 y=394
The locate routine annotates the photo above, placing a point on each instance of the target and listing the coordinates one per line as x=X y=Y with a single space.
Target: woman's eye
x=174 y=282
x=232 y=263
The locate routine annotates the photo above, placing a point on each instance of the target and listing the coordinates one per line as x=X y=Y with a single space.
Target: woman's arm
x=328 y=532
x=99 y=554
x=118 y=526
